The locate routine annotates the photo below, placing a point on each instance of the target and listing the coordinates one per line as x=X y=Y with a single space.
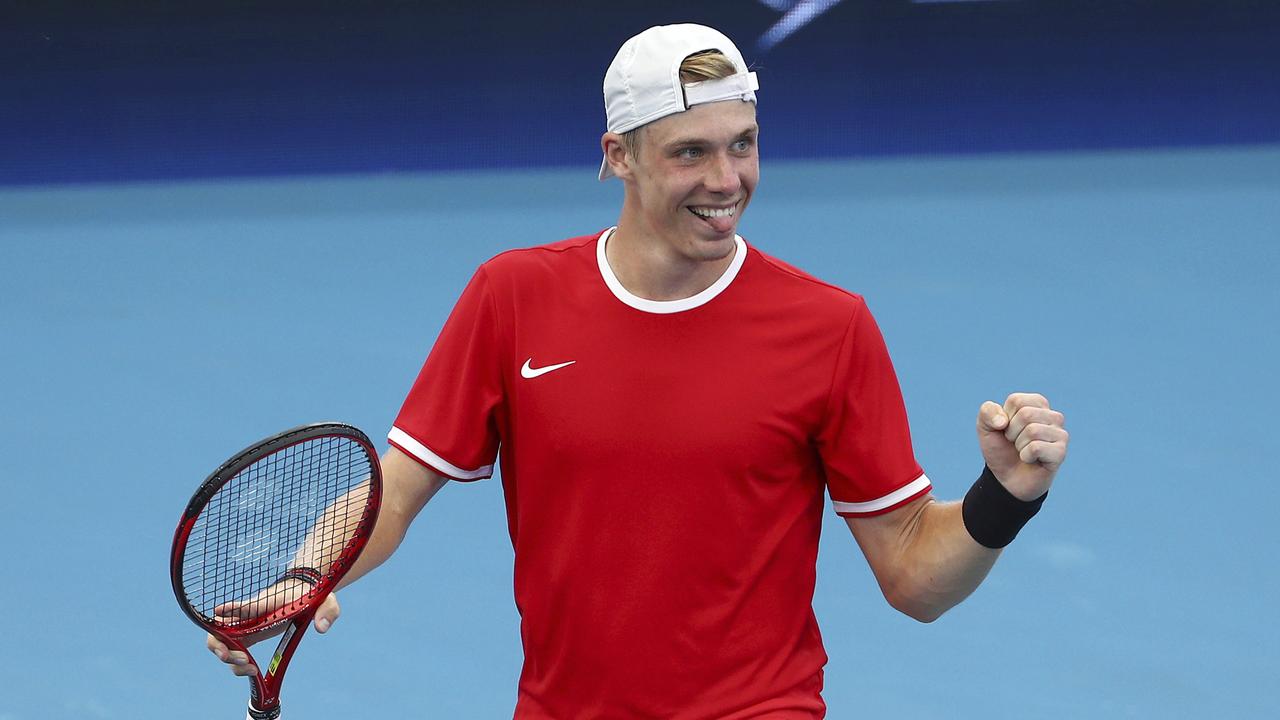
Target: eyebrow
x=681 y=142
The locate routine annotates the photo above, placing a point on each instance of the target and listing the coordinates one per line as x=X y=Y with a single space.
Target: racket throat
x=276 y=658
x=264 y=689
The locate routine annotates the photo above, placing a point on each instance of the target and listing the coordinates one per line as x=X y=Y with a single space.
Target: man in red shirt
x=668 y=406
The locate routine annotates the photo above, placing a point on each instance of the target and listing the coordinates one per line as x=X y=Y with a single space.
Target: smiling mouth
x=706 y=212
x=720 y=220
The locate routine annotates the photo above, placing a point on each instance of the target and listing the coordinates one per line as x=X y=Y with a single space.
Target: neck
x=651 y=266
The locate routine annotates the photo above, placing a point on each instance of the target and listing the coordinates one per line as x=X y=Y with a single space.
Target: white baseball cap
x=643 y=84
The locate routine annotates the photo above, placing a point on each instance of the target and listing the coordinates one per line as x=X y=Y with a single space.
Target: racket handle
x=255 y=714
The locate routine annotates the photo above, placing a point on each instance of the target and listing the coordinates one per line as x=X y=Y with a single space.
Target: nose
x=722 y=175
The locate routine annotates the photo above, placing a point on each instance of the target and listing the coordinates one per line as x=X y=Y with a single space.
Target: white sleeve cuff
x=423 y=454
x=912 y=488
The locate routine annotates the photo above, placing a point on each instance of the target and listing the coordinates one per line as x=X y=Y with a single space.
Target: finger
x=257 y=606
x=1017 y=401
x=1047 y=454
x=224 y=653
x=1029 y=415
x=327 y=614
x=991 y=417
x=238 y=657
x=239 y=662
x=236 y=610
x=216 y=646
x=1040 y=433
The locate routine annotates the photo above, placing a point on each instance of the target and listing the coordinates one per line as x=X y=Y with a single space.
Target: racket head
x=245 y=524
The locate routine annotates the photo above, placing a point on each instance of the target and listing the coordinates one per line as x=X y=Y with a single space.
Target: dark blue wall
x=136 y=91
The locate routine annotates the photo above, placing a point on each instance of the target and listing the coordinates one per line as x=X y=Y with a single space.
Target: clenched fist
x=1023 y=442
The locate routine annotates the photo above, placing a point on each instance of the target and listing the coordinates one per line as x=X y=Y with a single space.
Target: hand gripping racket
x=267 y=537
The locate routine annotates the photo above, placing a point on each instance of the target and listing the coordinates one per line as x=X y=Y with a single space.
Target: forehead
x=710 y=122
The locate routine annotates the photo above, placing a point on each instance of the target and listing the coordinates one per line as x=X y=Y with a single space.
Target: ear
x=615 y=153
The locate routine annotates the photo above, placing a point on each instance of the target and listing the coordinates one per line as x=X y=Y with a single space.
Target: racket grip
x=254 y=714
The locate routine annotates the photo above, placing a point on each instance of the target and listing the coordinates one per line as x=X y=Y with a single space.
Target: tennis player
x=669 y=406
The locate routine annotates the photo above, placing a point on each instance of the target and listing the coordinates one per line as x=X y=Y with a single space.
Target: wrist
x=308 y=575
x=993 y=515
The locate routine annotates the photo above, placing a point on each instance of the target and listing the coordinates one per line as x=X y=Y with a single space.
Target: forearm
x=388 y=533
x=939 y=564
x=406 y=488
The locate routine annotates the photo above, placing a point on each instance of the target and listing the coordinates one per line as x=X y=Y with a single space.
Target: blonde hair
x=705 y=65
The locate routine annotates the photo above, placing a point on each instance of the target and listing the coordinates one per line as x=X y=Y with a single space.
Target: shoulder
x=789 y=284
x=558 y=257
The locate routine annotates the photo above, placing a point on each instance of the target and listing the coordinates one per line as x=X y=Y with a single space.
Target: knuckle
x=1043 y=416
x=1027 y=399
x=1047 y=433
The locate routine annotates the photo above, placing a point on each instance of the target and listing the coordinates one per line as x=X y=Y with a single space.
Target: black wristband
x=992 y=515
x=306 y=574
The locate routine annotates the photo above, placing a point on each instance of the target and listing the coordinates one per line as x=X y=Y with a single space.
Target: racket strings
x=298 y=507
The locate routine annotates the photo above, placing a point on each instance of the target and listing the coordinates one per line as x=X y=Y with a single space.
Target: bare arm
x=407 y=486
x=924 y=559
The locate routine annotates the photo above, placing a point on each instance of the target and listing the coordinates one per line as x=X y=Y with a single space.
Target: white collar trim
x=665 y=307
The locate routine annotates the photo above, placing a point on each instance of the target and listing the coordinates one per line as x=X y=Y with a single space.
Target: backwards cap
x=643 y=84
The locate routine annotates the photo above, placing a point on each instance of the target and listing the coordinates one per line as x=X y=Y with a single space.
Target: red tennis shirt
x=663 y=465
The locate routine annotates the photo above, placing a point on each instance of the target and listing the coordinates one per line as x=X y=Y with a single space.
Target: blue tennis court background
x=169 y=294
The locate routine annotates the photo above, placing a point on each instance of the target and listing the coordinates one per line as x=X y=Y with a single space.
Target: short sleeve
x=448 y=421
x=864 y=441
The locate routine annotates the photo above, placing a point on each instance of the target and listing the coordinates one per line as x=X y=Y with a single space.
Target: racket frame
x=264 y=688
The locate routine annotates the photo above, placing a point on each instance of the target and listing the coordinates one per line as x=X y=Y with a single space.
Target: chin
x=714 y=248
x=705 y=234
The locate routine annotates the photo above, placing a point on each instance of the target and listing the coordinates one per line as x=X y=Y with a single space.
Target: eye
x=743 y=144
x=690 y=153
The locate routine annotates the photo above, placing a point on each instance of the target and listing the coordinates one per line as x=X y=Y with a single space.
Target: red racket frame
x=264 y=690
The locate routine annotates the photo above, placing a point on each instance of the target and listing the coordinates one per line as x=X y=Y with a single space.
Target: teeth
x=713 y=212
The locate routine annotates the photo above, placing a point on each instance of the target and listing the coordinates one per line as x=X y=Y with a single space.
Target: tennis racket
x=267 y=537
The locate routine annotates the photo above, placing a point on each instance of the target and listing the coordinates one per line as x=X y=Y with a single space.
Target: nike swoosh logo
x=528 y=371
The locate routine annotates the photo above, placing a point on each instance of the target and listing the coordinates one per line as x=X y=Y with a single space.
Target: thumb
x=327 y=614
x=991 y=418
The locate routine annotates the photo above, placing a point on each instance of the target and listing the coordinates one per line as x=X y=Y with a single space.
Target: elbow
x=916 y=610
x=916 y=599
x=920 y=613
